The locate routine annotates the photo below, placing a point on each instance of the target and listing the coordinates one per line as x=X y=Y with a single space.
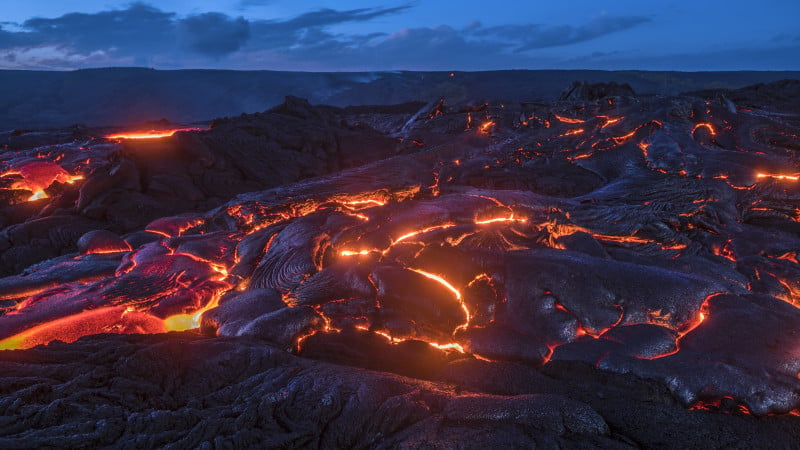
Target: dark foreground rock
x=184 y=391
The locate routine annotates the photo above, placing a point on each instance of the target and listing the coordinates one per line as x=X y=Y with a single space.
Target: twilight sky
x=350 y=35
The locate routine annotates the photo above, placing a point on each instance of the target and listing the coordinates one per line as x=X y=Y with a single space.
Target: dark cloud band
x=142 y=34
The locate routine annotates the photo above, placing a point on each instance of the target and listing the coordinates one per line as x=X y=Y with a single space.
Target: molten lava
x=117 y=319
x=38 y=175
x=150 y=134
x=568 y=119
x=707 y=126
x=794 y=177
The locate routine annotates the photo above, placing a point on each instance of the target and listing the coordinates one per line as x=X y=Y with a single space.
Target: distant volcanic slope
x=649 y=236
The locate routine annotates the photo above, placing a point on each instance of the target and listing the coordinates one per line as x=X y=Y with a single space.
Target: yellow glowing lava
x=423 y=231
x=778 y=176
x=152 y=134
x=624 y=138
x=39 y=175
x=447 y=347
x=705 y=125
x=37 y=194
x=568 y=119
x=486 y=127
x=441 y=281
x=364 y=203
x=574 y=132
x=189 y=321
x=610 y=121
x=452 y=289
x=355 y=253
x=501 y=219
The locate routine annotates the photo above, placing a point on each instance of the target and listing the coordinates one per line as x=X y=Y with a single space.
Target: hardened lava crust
x=605 y=270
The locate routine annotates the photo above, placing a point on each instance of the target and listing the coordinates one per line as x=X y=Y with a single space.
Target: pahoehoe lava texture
x=606 y=270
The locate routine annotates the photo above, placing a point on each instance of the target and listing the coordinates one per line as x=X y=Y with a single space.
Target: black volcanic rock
x=579 y=273
x=133 y=182
x=595 y=91
x=782 y=95
x=184 y=391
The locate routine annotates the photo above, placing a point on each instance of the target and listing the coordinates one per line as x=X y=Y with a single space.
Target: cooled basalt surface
x=182 y=391
x=501 y=270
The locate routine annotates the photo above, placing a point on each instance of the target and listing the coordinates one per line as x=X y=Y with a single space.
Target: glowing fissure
x=609 y=121
x=451 y=346
x=511 y=218
x=441 y=281
x=699 y=319
x=567 y=119
x=705 y=125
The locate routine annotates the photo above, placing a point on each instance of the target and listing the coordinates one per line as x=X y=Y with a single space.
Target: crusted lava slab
x=622 y=237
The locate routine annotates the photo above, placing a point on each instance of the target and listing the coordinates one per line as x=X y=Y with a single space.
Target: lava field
x=606 y=270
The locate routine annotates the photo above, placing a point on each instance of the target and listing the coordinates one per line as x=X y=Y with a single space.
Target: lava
x=609 y=121
x=441 y=281
x=568 y=119
x=510 y=218
x=705 y=125
x=624 y=138
x=613 y=248
x=118 y=319
x=486 y=127
x=412 y=234
x=794 y=177
x=38 y=175
x=150 y=134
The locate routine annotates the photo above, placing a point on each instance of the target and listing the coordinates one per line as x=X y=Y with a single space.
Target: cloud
x=137 y=29
x=213 y=34
x=247 y=4
x=474 y=47
x=271 y=34
x=144 y=35
x=535 y=37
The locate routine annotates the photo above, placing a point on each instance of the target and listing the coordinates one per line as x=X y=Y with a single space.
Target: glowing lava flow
x=39 y=175
x=423 y=231
x=568 y=119
x=610 y=121
x=700 y=318
x=364 y=203
x=778 y=177
x=574 y=132
x=451 y=288
x=705 y=125
x=501 y=219
x=189 y=321
x=452 y=346
x=115 y=319
x=486 y=127
x=624 y=138
x=356 y=253
x=151 y=134
x=441 y=281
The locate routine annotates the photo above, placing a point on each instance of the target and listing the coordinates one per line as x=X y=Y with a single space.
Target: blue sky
x=352 y=35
